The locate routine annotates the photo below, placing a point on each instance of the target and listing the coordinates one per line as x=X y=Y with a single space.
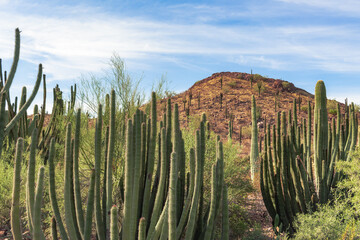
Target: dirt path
x=259 y=216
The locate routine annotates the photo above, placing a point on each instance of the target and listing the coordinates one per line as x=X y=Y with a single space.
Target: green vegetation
x=332 y=106
x=337 y=219
x=285 y=84
x=259 y=87
x=232 y=84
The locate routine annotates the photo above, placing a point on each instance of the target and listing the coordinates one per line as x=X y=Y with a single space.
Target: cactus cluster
x=166 y=202
x=58 y=114
x=297 y=171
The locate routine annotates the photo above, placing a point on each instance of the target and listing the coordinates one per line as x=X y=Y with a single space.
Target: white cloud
x=72 y=43
x=347 y=6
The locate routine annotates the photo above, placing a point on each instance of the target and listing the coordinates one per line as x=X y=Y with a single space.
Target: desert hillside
x=236 y=94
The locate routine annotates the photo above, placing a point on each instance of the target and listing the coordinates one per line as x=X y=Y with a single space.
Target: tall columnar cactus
x=231 y=128
x=294 y=179
x=15 y=206
x=254 y=151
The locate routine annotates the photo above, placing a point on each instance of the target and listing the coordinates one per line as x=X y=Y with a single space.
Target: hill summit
x=227 y=95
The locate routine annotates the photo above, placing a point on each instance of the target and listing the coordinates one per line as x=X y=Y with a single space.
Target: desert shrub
x=338 y=219
x=259 y=87
x=232 y=84
x=332 y=106
x=246 y=131
x=237 y=219
x=327 y=223
x=285 y=84
x=226 y=89
x=258 y=77
x=304 y=109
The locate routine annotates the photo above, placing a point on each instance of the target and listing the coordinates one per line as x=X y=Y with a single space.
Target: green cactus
x=54 y=233
x=254 y=152
x=177 y=206
x=172 y=196
x=295 y=176
x=36 y=219
x=10 y=126
x=114 y=232
x=110 y=156
x=15 y=206
x=52 y=190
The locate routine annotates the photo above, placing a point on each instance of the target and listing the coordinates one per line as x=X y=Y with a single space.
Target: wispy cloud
x=80 y=39
x=344 y=6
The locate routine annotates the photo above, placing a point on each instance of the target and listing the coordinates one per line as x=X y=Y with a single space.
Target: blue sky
x=300 y=41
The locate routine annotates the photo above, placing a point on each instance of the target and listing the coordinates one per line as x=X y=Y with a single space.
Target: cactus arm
x=100 y=228
x=30 y=184
x=254 y=152
x=172 y=196
x=195 y=199
x=15 y=208
x=225 y=214
x=52 y=190
x=114 y=231
x=110 y=156
x=155 y=234
x=142 y=229
x=185 y=213
x=38 y=233
x=70 y=224
x=211 y=217
x=43 y=109
x=2 y=119
x=76 y=181
x=14 y=64
x=161 y=187
x=54 y=233
x=129 y=162
x=22 y=110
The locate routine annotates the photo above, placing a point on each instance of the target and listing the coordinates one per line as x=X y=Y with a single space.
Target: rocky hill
x=235 y=90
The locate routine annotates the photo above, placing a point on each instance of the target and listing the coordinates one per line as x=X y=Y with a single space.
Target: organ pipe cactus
x=15 y=208
x=254 y=151
x=294 y=179
x=177 y=206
